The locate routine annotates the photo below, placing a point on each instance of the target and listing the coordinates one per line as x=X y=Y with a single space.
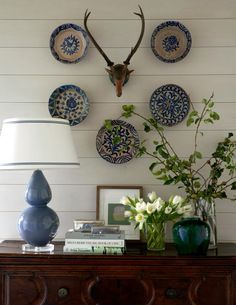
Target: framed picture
x=112 y=211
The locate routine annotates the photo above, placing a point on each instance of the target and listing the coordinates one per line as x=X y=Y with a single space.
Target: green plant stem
x=202 y=115
x=163 y=138
x=226 y=185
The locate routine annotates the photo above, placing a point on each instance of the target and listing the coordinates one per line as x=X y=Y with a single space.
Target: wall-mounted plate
x=69 y=43
x=171 y=41
x=69 y=102
x=169 y=105
x=122 y=151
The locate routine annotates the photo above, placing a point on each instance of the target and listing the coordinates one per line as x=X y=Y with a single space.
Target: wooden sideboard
x=135 y=278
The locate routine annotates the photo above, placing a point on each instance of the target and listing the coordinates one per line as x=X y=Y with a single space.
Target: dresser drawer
x=24 y=289
x=133 y=286
x=83 y=288
x=208 y=289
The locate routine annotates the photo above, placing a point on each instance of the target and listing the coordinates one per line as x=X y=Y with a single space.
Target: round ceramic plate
x=171 y=41
x=69 y=102
x=120 y=152
x=169 y=104
x=69 y=43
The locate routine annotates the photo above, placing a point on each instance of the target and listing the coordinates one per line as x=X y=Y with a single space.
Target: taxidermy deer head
x=119 y=73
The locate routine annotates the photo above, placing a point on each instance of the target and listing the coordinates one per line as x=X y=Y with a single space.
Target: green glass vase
x=191 y=236
x=155 y=236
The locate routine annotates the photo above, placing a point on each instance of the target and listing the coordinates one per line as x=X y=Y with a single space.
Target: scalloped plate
x=69 y=43
x=171 y=41
x=169 y=105
x=69 y=102
x=123 y=151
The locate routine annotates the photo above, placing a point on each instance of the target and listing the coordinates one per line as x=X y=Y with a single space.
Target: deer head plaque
x=119 y=73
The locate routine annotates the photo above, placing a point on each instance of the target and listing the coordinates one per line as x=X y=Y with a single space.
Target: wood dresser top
x=10 y=251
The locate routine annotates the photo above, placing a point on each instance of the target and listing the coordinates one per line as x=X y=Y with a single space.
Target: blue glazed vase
x=38 y=224
x=191 y=236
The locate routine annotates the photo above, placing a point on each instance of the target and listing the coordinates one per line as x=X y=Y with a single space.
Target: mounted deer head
x=119 y=73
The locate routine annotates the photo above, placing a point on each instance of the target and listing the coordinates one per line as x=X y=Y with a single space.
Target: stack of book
x=101 y=240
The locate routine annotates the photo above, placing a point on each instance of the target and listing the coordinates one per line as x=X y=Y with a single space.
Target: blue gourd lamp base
x=38 y=223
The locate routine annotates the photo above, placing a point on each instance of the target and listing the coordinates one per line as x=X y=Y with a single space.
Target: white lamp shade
x=30 y=143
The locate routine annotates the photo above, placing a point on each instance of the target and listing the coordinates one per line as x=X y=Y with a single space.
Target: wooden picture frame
x=109 y=208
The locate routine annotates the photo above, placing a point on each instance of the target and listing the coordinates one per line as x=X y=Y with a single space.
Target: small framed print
x=112 y=211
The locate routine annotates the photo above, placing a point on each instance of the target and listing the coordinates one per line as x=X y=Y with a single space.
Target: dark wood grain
x=137 y=278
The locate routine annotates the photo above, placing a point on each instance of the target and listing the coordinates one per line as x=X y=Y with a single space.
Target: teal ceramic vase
x=191 y=236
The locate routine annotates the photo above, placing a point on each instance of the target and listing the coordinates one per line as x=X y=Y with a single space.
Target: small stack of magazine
x=95 y=239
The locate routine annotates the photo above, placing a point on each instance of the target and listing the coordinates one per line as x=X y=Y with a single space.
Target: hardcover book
x=95 y=250
x=95 y=242
x=71 y=234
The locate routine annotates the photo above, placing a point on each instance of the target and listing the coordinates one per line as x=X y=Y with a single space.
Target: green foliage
x=199 y=181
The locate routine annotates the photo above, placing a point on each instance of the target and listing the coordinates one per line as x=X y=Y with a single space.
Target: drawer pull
x=62 y=292
x=172 y=293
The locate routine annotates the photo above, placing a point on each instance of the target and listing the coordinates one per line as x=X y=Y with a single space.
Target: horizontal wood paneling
x=29 y=74
x=38 y=61
x=122 y=33
x=72 y=9
x=38 y=88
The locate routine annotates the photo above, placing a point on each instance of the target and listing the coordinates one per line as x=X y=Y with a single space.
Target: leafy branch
x=199 y=181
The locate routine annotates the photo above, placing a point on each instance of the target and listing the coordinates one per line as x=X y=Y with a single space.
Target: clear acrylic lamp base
x=30 y=248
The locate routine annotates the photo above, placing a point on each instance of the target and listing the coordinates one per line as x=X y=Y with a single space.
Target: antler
x=109 y=62
x=133 y=50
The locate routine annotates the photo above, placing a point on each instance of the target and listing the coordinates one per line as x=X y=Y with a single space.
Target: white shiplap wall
x=29 y=74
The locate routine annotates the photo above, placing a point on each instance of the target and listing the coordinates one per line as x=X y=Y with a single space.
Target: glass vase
x=155 y=236
x=207 y=212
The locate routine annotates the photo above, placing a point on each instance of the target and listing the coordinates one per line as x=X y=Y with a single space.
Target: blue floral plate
x=69 y=102
x=125 y=149
x=169 y=105
x=69 y=43
x=171 y=41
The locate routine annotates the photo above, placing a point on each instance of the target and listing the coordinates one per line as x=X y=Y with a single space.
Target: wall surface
x=29 y=74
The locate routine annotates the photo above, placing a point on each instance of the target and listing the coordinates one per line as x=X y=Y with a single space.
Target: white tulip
x=177 y=200
x=124 y=200
x=127 y=214
x=168 y=210
x=150 y=208
x=140 y=206
x=140 y=219
x=152 y=196
x=159 y=203
x=187 y=208
x=180 y=211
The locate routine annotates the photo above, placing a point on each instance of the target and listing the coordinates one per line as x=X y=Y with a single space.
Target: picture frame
x=109 y=208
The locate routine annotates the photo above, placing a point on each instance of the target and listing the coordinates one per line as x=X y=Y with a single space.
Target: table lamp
x=35 y=143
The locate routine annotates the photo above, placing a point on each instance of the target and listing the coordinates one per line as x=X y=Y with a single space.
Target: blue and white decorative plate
x=120 y=152
x=69 y=43
x=171 y=41
x=169 y=105
x=69 y=102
